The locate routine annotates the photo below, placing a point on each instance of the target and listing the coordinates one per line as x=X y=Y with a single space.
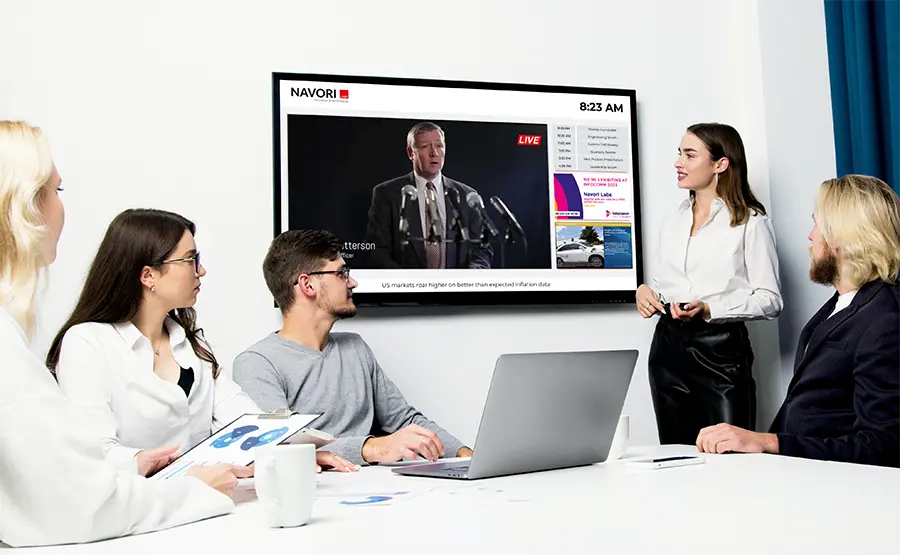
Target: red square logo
x=345 y=94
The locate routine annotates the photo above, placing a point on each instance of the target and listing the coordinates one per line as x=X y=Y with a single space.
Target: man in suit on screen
x=426 y=149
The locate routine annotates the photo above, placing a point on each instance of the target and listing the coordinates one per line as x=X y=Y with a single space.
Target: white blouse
x=107 y=370
x=55 y=486
x=733 y=269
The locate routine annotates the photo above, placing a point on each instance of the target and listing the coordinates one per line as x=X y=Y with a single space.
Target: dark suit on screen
x=383 y=229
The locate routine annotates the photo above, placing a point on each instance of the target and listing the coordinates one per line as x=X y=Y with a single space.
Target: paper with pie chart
x=235 y=443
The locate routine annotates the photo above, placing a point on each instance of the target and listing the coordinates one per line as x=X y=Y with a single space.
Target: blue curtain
x=864 y=63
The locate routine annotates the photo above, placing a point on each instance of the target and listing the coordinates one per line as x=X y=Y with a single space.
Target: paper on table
x=480 y=494
x=361 y=498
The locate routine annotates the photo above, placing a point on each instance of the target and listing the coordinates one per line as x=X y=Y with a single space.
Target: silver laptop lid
x=551 y=410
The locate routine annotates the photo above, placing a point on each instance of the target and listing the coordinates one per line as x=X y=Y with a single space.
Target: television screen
x=449 y=192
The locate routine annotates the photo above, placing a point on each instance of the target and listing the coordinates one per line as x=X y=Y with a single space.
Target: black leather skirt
x=700 y=375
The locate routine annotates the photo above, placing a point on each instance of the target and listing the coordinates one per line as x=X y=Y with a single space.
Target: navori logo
x=321 y=94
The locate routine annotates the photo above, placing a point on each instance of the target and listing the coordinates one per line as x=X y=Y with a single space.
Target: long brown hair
x=112 y=291
x=723 y=141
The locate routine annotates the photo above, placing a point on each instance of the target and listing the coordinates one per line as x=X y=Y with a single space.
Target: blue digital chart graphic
x=263 y=439
x=373 y=499
x=234 y=435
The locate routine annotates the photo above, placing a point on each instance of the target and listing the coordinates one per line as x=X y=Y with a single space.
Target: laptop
x=544 y=411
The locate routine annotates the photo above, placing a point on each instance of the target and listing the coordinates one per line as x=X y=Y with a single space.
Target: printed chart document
x=234 y=444
x=366 y=498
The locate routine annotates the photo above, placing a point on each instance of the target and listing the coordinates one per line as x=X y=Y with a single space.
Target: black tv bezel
x=471 y=298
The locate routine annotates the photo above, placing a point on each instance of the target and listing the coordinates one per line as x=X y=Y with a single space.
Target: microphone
x=407 y=192
x=474 y=201
x=452 y=195
x=507 y=215
x=431 y=207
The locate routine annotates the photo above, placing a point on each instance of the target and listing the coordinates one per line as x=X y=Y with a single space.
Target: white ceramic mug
x=620 y=440
x=285 y=478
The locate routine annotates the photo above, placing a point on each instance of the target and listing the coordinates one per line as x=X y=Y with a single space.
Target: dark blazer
x=383 y=229
x=843 y=403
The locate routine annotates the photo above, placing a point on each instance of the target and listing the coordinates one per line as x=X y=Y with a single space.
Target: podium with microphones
x=459 y=231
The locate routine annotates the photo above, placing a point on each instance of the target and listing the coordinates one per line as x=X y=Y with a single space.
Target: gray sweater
x=344 y=382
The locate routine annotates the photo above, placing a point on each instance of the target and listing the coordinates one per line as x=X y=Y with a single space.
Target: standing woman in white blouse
x=131 y=355
x=55 y=485
x=717 y=268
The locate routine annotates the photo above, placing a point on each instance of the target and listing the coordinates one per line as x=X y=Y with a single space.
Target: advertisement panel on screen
x=449 y=192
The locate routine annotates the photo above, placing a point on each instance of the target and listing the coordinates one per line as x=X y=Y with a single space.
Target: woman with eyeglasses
x=55 y=485
x=131 y=355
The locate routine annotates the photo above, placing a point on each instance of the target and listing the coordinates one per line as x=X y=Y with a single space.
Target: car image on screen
x=577 y=254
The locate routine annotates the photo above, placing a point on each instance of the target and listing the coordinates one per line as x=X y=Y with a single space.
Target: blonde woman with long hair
x=55 y=485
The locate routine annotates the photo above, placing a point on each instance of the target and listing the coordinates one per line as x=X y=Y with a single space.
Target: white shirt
x=439 y=195
x=843 y=302
x=55 y=486
x=733 y=269
x=107 y=370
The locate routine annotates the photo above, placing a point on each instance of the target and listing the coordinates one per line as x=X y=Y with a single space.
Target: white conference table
x=731 y=504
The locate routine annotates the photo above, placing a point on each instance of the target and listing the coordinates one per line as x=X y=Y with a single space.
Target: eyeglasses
x=343 y=273
x=195 y=259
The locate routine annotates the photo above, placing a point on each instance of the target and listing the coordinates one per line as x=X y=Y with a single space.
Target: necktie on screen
x=434 y=252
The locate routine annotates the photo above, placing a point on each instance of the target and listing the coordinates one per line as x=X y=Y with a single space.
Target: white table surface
x=732 y=504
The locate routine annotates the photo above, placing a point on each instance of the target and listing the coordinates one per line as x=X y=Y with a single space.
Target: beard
x=825 y=270
x=337 y=310
x=344 y=312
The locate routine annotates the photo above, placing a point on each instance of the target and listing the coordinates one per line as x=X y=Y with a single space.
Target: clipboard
x=311 y=435
x=235 y=443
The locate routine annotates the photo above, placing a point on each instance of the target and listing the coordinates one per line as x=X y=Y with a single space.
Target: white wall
x=800 y=137
x=168 y=105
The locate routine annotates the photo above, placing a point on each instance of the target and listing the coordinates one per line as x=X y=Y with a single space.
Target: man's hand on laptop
x=464 y=452
x=410 y=443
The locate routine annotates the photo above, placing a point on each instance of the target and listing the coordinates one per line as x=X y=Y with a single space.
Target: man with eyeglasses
x=307 y=368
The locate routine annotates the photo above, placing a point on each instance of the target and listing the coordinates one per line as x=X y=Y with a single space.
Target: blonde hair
x=859 y=216
x=25 y=169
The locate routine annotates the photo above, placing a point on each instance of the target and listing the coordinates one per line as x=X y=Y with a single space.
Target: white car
x=579 y=254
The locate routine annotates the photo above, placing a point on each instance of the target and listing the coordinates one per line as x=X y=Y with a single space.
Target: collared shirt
x=55 y=486
x=733 y=269
x=107 y=370
x=843 y=301
x=439 y=194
